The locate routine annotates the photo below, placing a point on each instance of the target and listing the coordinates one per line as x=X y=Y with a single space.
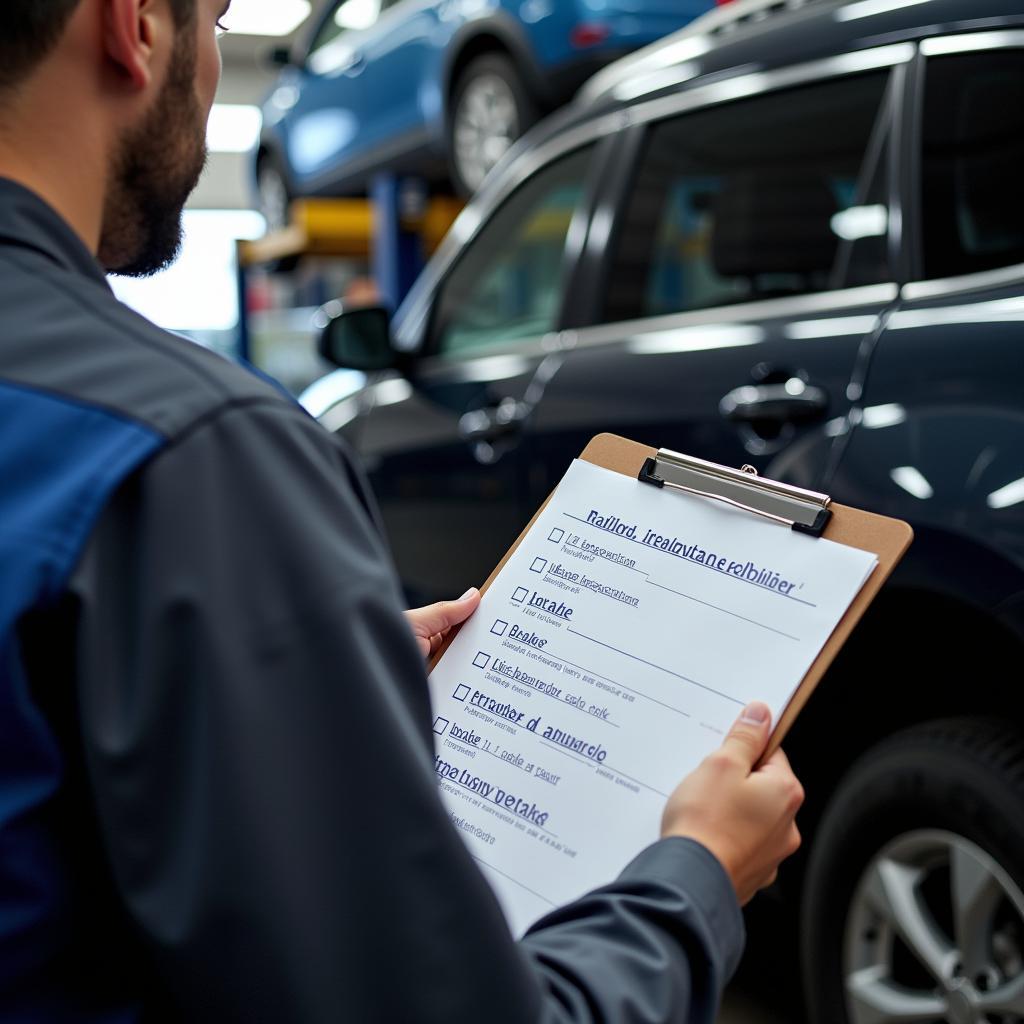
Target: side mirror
x=356 y=339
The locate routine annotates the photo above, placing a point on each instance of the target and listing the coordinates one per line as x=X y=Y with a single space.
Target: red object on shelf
x=589 y=33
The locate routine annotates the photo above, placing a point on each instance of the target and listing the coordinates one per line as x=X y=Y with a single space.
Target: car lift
x=395 y=231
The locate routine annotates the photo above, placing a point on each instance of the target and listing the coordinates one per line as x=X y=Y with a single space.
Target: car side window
x=509 y=282
x=779 y=195
x=350 y=15
x=972 y=213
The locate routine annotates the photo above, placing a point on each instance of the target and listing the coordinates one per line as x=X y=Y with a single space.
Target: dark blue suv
x=435 y=87
x=796 y=243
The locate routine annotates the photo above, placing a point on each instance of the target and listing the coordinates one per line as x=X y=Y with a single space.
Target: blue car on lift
x=438 y=88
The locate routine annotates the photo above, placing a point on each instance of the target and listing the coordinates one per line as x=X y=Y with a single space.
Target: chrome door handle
x=791 y=402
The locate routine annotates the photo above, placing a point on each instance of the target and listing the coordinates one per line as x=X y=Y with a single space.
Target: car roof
x=758 y=35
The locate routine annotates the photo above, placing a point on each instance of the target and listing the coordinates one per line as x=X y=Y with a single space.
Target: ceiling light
x=912 y=481
x=233 y=128
x=1011 y=494
x=392 y=392
x=874 y=417
x=861 y=222
x=834 y=327
x=681 y=50
x=266 y=17
x=492 y=368
x=358 y=14
x=869 y=8
x=877 y=57
x=695 y=339
x=969 y=41
x=655 y=80
x=324 y=394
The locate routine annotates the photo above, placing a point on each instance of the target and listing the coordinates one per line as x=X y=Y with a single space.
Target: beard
x=157 y=165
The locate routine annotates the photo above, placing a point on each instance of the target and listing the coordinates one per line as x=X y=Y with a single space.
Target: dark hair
x=29 y=29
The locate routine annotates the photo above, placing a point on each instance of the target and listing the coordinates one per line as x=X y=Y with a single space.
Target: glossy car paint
x=920 y=376
x=379 y=99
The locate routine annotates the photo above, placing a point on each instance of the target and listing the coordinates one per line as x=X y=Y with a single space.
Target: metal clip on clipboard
x=803 y=511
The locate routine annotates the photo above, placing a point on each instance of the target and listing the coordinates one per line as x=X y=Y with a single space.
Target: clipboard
x=790 y=507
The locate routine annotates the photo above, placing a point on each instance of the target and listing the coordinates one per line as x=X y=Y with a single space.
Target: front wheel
x=491 y=108
x=913 y=904
x=273 y=193
x=275 y=201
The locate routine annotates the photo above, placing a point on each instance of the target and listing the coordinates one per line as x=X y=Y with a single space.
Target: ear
x=129 y=31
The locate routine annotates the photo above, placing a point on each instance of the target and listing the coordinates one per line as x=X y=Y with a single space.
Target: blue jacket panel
x=60 y=461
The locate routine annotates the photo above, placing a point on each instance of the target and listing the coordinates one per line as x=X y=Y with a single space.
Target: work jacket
x=217 y=793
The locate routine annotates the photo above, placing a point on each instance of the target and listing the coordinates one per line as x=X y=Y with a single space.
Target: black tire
x=955 y=785
x=274 y=199
x=493 y=72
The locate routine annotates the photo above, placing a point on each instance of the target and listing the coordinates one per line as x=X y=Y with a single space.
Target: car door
x=401 y=57
x=939 y=439
x=332 y=117
x=747 y=260
x=444 y=440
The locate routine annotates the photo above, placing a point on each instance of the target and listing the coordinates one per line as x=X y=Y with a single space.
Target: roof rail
x=697 y=38
x=746 y=12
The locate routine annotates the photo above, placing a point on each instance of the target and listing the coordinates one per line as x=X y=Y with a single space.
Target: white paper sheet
x=616 y=647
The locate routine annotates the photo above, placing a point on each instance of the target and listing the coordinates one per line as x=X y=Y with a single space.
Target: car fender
x=340 y=400
x=496 y=30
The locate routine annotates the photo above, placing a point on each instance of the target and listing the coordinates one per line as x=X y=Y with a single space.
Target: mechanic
x=203 y=654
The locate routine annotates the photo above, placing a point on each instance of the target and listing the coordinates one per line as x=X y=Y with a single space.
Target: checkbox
x=499 y=627
x=556 y=535
x=519 y=594
x=461 y=692
x=440 y=724
x=481 y=660
x=539 y=565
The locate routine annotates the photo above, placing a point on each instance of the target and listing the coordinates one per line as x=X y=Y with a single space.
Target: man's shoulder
x=70 y=337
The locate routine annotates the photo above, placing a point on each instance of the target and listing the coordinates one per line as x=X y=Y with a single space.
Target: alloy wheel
x=935 y=934
x=274 y=200
x=486 y=123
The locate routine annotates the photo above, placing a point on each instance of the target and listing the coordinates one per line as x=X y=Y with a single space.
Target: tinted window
x=973 y=152
x=779 y=195
x=508 y=283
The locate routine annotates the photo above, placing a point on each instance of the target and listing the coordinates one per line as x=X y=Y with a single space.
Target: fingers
x=782 y=850
x=778 y=760
x=440 y=617
x=777 y=771
x=748 y=737
x=777 y=764
x=745 y=817
x=793 y=840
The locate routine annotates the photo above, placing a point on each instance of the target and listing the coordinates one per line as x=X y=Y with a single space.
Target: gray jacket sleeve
x=256 y=731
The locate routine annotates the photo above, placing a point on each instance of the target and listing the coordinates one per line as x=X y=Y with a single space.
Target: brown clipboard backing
x=886 y=538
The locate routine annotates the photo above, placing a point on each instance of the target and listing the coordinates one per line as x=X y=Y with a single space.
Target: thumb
x=748 y=737
x=436 y=618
